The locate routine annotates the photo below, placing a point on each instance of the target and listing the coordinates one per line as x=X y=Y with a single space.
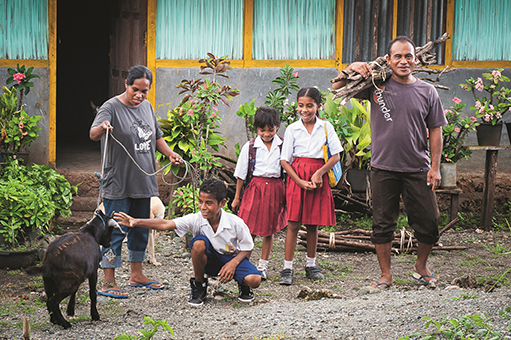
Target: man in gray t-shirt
x=403 y=110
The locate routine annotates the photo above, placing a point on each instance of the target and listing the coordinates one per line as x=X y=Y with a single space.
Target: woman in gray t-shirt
x=131 y=120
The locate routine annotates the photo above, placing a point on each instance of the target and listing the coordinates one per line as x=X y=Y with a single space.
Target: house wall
x=256 y=82
x=36 y=103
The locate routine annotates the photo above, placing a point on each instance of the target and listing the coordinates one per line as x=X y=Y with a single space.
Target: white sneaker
x=264 y=272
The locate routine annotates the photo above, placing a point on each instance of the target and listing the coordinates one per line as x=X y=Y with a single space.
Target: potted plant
x=490 y=109
x=353 y=126
x=453 y=135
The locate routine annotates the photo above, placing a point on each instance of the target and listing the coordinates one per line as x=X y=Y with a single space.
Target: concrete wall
x=256 y=82
x=36 y=103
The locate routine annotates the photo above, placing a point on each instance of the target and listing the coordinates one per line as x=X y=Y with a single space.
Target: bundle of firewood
x=360 y=240
x=355 y=83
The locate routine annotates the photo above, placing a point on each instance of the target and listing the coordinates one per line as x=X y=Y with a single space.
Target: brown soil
x=346 y=272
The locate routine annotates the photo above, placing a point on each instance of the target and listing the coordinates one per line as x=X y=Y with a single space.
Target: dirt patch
x=479 y=265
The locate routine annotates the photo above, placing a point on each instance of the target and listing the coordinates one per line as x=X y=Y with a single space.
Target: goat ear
x=113 y=223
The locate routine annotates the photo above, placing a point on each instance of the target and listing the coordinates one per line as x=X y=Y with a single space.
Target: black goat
x=69 y=260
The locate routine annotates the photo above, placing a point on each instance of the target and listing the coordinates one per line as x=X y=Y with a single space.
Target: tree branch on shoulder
x=355 y=83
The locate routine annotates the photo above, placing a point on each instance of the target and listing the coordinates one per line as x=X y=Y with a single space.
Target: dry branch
x=360 y=240
x=355 y=83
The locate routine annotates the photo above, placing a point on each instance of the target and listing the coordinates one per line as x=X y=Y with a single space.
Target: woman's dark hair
x=139 y=72
x=313 y=93
x=401 y=38
x=214 y=187
x=266 y=116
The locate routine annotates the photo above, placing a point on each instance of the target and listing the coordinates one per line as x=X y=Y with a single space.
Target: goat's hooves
x=95 y=317
x=65 y=324
x=69 y=313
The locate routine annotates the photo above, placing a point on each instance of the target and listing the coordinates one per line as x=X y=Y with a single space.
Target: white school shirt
x=299 y=143
x=231 y=237
x=267 y=163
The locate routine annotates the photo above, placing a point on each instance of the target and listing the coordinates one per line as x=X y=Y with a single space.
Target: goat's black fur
x=69 y=261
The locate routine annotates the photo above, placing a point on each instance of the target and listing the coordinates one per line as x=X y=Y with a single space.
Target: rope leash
x=188 y=166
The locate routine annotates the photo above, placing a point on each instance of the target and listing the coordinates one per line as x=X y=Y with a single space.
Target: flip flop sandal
x=420 y=278
x=147 y=285
x=115 y=296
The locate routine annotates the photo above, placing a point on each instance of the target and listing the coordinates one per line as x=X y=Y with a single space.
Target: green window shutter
x=482 y=30
x=188 y=29
x=293 y=30
x=23 y=29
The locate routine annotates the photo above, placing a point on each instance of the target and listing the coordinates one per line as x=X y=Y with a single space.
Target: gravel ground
x=352 y=312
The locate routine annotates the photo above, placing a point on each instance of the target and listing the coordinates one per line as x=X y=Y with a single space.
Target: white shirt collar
x=258 y=143
x=222 y=224
x=318 y=124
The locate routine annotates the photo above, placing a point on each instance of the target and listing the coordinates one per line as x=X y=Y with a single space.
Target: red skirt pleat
x=314 y=207
x=263 y=206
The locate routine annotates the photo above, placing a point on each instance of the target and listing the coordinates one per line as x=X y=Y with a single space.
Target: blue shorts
x=216 y=261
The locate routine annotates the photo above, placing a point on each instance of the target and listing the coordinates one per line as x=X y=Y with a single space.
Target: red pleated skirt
x=314 y=207
x=263 y=206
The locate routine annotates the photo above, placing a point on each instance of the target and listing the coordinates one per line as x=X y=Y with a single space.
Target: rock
x=450 y=287
x=369 y=290
x=315 y=294
x=465 y=281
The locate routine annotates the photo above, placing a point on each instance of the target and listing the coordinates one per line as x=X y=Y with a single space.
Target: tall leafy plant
x=353 y=126
x=21 y=78
x=17 y=129
x=190 y=128
x=277 y=99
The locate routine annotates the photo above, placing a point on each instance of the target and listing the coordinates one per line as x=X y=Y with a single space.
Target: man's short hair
x=214 y=187
x=401 y=38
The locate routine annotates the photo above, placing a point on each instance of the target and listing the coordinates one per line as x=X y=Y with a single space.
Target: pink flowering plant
x=490 y=109
x=17 y=129
x=21 y=78
x=455 y=132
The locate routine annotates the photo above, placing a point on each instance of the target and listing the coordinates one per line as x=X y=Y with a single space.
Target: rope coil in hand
x=188 y=166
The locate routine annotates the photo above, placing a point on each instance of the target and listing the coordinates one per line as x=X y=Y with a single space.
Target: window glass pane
x=188 y=29
x=482 y=30
x=292 y=30
x=24 y=29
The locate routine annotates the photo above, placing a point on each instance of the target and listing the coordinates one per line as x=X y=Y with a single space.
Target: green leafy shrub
x=31 y=199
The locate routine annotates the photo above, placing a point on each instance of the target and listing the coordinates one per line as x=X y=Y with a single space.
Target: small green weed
x=470 y=326
x=496 y=249
x=403 y=281
x=463 y=296
x=336 y=269
x=275 y=337
x=148 y=333
x=14 y=272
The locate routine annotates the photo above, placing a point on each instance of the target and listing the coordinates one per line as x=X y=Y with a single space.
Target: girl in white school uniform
x=308 y=194
x=262 y=206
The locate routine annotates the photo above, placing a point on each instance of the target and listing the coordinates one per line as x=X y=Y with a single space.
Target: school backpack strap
x=281 y=168
x=251 y=161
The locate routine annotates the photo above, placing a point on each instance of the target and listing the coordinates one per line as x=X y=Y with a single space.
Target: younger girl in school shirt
x=308 y=194
x=262 y=206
